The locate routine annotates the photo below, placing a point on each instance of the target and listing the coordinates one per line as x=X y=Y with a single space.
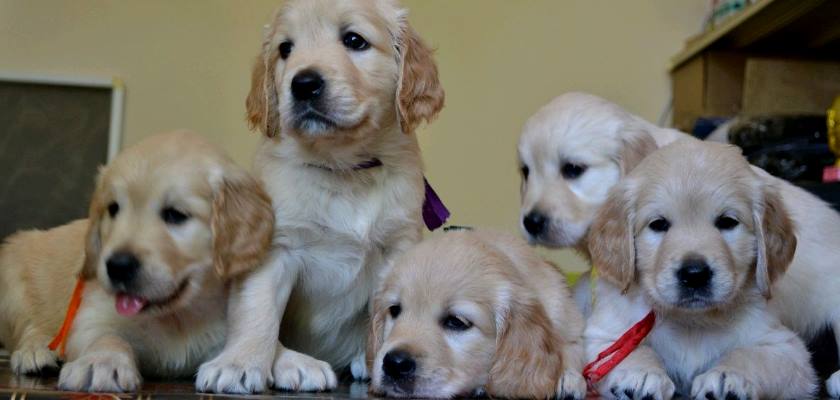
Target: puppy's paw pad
x=571 y=386
x=299 y=372
x=719 y=384
x=832 y=385
x=220 y=376
x=33 y=360
x=100 y=372
x=358 y=368
x=628 y=384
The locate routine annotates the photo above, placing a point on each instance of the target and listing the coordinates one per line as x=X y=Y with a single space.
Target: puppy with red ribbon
x=688 y=247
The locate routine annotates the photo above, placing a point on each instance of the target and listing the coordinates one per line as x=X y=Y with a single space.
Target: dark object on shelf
x=704 y=126
x=794 y=148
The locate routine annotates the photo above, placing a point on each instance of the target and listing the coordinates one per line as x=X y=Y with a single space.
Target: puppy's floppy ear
x=262 y=102
x=419 y=93
x=775 y=240
x=527 y=362
x=611 y=241
x=376 y=330
x=93 y=242
x=242 y=223
x=634 y=149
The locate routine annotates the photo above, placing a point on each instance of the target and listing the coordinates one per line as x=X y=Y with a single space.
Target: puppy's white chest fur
x=334 y=234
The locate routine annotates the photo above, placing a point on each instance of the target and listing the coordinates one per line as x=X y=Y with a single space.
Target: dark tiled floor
x=28 y=388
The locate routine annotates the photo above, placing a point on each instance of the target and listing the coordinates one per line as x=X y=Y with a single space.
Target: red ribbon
x=618 y=351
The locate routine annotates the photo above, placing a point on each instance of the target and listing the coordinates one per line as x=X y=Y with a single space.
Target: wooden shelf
x=801 y=28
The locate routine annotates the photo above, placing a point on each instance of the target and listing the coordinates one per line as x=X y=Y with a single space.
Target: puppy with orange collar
x=171 y=220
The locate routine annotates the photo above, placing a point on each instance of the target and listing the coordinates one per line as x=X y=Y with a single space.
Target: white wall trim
x=116 y=85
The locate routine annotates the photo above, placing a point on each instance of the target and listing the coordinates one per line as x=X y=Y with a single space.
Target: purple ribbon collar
x=435 y=212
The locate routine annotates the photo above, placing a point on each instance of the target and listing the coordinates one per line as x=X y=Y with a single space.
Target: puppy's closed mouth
x=314 y=121
x=129 y=304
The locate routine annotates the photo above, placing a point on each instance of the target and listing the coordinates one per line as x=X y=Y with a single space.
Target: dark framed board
x=54 y=135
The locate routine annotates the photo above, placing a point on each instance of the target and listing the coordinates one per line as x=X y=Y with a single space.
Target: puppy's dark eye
x=172 y=216
x=726 y=223
x=285 y=49
x=454 y=323
x=659 y=225
x=113 y=209
x=354 y=41
x=525 y=171
x=395 y=310
x=572 y=171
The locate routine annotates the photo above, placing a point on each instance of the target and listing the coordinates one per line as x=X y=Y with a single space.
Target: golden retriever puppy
x=695 y=235
x=588 y=135
x=338 y=90
x=475 y=312
x=572 y=152
x=171 y=219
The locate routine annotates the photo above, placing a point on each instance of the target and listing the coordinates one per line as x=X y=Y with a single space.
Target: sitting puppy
x=338 y=91
x=695 y=235
x=171 y=218
x=475 y=312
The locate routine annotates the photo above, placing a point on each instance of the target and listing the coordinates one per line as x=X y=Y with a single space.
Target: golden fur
x=227 y=231
x=338 y=227
x=523 y=335
x=717 y=339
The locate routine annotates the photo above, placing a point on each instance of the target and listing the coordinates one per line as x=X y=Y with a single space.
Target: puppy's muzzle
x=535 y=223
x=308 y=85
x=694 y=276
x=122 y=268
x=399 y=366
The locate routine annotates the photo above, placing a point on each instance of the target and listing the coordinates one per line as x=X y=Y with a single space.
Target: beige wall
x=186 y=63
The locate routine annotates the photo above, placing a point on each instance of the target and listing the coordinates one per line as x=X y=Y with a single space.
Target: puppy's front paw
x=100 y=372
x=723 y=384
x=832 y=385
x=571 y=386
x=300 y=372
x=33 y=360
x=226 y=375
x=626 y=384
x=358 y=368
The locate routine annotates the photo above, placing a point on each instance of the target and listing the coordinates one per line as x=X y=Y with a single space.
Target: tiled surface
x=28 y=388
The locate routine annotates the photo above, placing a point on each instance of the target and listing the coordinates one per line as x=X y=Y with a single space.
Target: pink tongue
x=129 y=305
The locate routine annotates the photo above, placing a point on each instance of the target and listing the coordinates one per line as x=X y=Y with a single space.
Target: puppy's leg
x=300 y=372
x=32 y=355
x=255 y=306
x=107 y=365
x=571 y=384
x=832 y=385
x=777 y=368
x=639 y=376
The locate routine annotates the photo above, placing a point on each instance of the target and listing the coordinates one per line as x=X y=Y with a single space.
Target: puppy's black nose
x=307 y=85
x=122 y=267
x=534 y=223
x=398 y=365
x=694 y=273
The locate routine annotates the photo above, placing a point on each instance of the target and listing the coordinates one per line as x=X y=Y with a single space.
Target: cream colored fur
x=182 y=273
x=723 y=341
x=338 y=228
x=523 y=335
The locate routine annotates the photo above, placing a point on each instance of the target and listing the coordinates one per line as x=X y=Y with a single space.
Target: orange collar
x=618 y=351
x=60 y=340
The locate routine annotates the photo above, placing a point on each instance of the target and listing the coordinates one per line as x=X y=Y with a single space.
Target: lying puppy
x=596 y=143
x=338 y=90
x=475 y=312
x=171 y=218
x=695 y=235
